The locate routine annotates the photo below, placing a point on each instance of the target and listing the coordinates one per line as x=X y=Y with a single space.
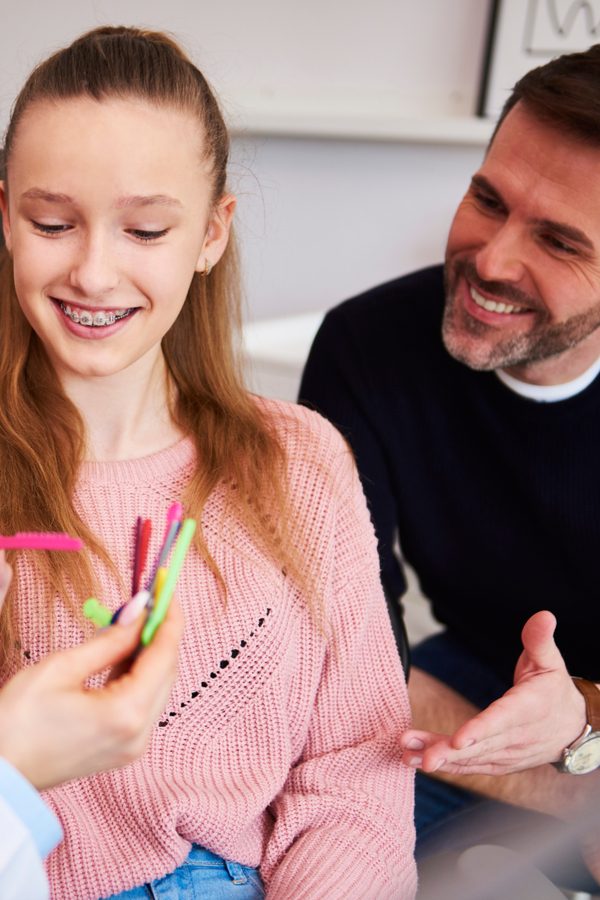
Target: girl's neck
x=126 y=415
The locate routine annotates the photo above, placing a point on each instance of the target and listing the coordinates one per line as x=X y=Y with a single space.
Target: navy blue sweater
x=496 y=498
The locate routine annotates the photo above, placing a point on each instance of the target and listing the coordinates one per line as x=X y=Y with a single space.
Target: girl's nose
x=95 y=271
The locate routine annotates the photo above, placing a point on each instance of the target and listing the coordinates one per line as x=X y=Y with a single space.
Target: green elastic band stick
x=161 y=605
x=99 y=614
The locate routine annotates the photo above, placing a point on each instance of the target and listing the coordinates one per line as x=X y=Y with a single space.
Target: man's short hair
x=565 y=93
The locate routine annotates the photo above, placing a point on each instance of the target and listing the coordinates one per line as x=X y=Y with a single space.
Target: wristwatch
x=583 y=755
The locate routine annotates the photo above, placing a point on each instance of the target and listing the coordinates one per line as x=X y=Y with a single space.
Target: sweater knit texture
x=279 y=745
x=494 y=496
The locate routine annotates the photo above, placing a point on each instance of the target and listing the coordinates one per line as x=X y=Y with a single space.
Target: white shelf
x=275 y=351
x=468 y=130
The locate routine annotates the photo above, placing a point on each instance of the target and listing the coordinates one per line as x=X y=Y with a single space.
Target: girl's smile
x=93 y=324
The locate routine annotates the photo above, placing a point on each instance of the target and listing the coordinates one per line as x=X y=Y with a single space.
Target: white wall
x=318 y=219
x=322 y=220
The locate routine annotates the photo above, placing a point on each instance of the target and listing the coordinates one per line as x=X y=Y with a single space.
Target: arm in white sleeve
x=28 y=832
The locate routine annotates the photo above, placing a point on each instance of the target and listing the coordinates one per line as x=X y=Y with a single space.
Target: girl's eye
x=148 y=235
x=49 y=229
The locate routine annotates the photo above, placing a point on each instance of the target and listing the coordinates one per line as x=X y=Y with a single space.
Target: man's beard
x=481 y=346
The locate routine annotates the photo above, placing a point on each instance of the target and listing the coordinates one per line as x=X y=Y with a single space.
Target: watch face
x=586 y=757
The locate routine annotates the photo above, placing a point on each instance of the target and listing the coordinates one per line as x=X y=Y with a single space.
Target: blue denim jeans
x=201 y=875
x=449 y=819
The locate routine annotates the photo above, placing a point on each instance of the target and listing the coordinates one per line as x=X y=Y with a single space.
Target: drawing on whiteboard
x=526 y=33
x=553 y=27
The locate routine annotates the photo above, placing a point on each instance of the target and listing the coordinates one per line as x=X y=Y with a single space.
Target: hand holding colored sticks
x=158 y=593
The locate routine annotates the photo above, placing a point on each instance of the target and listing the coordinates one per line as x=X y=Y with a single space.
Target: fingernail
x=415 y=744
x=441 y=763
x=414 y=761
x=132 y=610
x=464 y=744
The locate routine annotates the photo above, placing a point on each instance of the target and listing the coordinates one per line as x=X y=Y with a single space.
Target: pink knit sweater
x=279 y=746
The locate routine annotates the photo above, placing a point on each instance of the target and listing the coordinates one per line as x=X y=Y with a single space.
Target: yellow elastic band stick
x=163 y=597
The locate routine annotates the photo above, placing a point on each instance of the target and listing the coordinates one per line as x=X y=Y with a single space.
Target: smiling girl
x=274 y=768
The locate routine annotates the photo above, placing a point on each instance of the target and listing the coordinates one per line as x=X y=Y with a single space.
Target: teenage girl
x=274 y=769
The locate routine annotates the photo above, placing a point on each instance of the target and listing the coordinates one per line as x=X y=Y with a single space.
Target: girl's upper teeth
x=87 y=317
x=491 y=305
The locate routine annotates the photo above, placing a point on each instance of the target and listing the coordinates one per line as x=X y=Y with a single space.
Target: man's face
x=523 y=256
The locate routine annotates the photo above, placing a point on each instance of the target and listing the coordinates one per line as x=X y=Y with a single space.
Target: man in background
x=469 y=394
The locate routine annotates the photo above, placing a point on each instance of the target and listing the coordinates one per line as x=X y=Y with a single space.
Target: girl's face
x=107 y=214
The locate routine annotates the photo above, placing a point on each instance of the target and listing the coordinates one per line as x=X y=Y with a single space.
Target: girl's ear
x=4 y=211
x=217 y=233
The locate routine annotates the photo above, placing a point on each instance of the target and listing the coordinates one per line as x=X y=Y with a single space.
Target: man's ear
x=217 y=233
x=4 y=212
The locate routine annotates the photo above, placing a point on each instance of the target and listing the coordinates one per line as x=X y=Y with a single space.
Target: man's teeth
x=96 y=319
x=492 y=306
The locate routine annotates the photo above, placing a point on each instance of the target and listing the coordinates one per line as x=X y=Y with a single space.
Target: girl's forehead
x=109 y=139
x=110 y=106
x=128 y=120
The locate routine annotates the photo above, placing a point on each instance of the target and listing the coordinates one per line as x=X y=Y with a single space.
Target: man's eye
x=556 y=244
x=49 y=229
x=142 y=235
x=487 y=201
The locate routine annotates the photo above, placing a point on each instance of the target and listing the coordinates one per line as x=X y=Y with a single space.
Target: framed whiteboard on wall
x=339 y=68
x=524 y=34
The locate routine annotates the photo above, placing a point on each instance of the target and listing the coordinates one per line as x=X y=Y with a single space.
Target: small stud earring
x=207 y=268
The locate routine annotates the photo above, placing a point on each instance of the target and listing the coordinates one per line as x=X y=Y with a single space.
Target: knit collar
x=143 y=470
x=550 y=393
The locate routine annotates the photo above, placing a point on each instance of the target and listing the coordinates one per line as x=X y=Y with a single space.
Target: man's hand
x=57 y=729
x=531 y=724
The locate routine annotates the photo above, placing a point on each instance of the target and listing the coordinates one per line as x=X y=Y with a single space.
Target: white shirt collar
x=550 y=393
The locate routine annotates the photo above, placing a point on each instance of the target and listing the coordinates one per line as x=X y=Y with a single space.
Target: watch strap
x=591 y=695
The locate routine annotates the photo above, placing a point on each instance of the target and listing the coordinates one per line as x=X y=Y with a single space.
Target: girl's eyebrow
x=49 y=196
x=147 y=200
x=121 y=203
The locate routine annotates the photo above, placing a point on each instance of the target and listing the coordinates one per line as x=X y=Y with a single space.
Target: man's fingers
x=415 y=743
x=419 y=741
x=486 y=725
x=538 y=641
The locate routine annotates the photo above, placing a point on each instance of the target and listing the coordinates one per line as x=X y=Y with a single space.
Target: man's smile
x=494 y=306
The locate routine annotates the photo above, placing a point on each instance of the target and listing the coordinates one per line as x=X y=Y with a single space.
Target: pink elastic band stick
x=175 y=514
x=39 y=540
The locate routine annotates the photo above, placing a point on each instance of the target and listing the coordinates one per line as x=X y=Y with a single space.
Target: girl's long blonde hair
x=42 y=435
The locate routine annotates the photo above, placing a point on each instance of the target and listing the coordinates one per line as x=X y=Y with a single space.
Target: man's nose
x=501 y=256
x=94 y=270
